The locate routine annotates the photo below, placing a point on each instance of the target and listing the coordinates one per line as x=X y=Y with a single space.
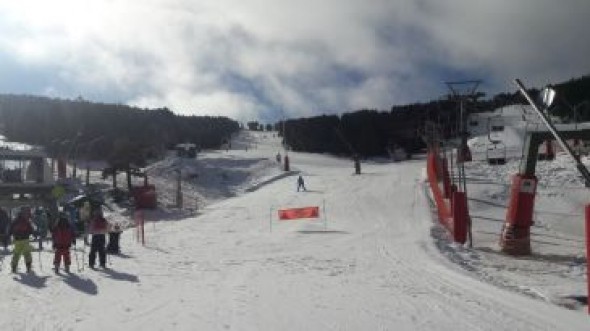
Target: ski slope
x=372 y=262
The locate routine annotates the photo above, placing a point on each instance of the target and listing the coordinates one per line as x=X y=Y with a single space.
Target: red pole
x=515 y=238
x=588 y=252
x=142 y=229
x=136 y=225
x=459 y=202
x=446 y=177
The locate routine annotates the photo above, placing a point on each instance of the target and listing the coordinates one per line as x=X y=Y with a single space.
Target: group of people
x=28 y=224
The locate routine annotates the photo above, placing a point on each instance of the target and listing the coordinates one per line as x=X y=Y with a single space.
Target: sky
x=272 y=59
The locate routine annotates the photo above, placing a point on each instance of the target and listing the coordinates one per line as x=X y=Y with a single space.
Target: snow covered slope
x=376 y=266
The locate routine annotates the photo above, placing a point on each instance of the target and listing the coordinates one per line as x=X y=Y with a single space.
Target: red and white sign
x=297 y=213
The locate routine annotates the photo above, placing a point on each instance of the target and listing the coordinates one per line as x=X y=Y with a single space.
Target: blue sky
x=269 y=59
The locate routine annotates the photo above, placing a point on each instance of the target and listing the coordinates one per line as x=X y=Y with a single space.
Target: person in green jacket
x=21 y=230
x=41 y=221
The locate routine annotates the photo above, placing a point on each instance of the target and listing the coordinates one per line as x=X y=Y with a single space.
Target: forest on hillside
x=120 y=134
x=377 y=133
x=126 y=135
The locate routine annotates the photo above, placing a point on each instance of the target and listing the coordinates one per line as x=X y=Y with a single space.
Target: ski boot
x=13 y=269
x=67 y=268
x=29 y=268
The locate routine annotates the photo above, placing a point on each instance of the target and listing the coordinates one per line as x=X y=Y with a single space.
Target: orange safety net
x=297 y=213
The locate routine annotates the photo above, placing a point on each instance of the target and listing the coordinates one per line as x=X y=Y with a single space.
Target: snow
x=382 y=263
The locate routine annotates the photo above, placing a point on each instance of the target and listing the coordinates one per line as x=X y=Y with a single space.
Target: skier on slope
x=62 y=235
x=21 y=229
x=97 y=227
x=300 y=184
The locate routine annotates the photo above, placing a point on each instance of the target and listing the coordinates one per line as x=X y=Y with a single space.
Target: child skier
x=97 y=227
x=62 y=235
x=41 y=222
x=21 y=229
x=114 y=236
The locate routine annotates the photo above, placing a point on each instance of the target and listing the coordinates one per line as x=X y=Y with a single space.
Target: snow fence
x=451 y=204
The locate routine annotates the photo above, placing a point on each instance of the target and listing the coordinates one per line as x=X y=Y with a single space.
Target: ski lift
x=496 y=124
x=496 y=149
x=496 y=153
x=546 y=152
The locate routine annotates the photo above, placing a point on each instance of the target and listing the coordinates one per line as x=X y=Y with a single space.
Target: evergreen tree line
x=370 y=132
x=376 y=133
x=120 y=134
x=126 y=135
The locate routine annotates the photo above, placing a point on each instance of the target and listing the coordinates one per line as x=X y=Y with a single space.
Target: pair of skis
x=79 y=265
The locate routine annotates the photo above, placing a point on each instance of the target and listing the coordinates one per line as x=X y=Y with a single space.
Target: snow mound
x=216 y=174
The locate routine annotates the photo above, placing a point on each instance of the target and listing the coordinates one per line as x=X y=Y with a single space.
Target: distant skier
x=21 y=229
x=97 y=227
x=300 y=184
x=278 y=157
x=357 y=164
x=62 y=235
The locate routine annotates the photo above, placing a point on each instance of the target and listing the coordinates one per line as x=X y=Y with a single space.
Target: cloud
x=264 y=59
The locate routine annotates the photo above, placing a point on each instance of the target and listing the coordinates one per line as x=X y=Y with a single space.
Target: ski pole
x=77 y=260
x=83 y=253
x=40 y=264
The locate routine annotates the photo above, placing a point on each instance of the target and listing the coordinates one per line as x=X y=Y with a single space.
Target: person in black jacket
x=114 y=238
x=97 y=228
x=4 y=228
x=300 y=184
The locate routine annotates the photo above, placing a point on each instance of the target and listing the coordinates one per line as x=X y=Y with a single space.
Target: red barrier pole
x=515 y=238
x=588 y=253
x=446 y=179
x=136 y=214
x=459 y=217
x=142 y=229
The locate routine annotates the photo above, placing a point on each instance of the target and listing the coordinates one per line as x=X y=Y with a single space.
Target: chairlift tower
x=462 y=91
x=515 y=236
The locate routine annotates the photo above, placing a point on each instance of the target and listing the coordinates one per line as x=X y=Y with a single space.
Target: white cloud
x=268 y=58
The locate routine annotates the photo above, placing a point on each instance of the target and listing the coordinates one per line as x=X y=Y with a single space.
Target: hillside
x=371 y=261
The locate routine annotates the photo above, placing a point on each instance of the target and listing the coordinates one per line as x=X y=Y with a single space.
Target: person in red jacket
x=62 y=235
x=21 y=229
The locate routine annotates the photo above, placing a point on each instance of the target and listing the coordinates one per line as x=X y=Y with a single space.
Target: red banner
x=296 y=213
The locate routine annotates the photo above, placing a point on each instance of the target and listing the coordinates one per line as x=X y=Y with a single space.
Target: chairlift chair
x=496 y=153
x=496 y=124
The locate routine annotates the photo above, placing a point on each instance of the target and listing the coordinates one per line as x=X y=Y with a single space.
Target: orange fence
x=451 y=205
